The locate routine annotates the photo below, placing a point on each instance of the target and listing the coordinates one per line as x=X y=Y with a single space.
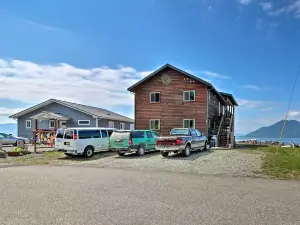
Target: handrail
x=220 y=126
x=229 y=132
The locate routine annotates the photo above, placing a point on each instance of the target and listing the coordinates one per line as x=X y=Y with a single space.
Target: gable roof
x=230 y=96
x=180 y=71
x=90 y=110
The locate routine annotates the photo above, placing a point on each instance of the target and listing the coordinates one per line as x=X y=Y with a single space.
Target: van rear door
x=59 y=145
x=70 y=138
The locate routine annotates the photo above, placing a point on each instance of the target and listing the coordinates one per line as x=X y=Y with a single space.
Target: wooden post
x=35 y=137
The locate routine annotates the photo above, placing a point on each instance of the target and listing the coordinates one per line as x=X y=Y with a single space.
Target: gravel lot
x=213 y=162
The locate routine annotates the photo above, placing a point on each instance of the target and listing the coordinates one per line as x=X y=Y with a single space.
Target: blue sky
x=246 y=47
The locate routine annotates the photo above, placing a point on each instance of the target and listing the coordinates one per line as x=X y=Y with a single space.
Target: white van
x=82 y=141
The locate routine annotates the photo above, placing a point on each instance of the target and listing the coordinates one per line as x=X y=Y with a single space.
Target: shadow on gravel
x=134 y=156
x=194 y=155
x=97 y=156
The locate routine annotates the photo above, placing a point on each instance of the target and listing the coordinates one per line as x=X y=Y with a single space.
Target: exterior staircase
x=225 y=134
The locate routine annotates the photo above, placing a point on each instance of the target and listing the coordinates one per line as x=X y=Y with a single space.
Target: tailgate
x=167 y=141
x=119 y=139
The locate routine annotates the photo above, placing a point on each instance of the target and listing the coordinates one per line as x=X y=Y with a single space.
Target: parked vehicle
x=138 y=141
x=183 y=140
x=8 y=139
x=82 y=141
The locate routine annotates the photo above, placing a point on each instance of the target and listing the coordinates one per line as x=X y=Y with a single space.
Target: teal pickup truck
x=128 y=141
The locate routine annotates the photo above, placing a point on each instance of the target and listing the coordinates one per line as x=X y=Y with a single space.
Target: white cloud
x=266 y=6
x=292 y=7
x=245 y=2
x=250 y=86
x=9 y=111
x=293 y=113
x=249 y=104
x=215 y=75
x=266 y=109
x=30 y=82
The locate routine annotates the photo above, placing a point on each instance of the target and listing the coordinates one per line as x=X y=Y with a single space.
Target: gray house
x=54 y=114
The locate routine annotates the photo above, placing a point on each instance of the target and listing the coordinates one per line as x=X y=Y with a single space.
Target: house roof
x=90 y=110
x=180 y=71
x=230 y=96
x=46 y=115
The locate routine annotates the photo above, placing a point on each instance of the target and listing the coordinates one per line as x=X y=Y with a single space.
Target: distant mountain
x=291 y=130
x=9 y=128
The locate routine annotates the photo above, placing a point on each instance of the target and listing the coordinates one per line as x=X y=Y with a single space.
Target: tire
x=205 y=144
x=141 y=150
x=120 y=153
x=88 y=152
x=175 y=152
x=164 y=154
x=68 y=154
x=187 y=151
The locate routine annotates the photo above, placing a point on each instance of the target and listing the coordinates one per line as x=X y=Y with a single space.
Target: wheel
x=187 y=151
x=120 y=153
x=88 y=152
x=175 y=152
x=140 y=151
x=164 y=154
x=68 y=154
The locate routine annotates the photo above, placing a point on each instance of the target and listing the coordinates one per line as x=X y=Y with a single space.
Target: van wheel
x=140 y=151
x=187 y=151
x=205 y=144
x=164 y=154
x=88 y=152
x=121 y=153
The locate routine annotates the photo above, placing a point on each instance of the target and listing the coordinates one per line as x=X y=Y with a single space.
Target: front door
x=150 y=140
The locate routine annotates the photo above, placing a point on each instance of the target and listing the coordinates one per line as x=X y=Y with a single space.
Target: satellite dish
x=165 y=79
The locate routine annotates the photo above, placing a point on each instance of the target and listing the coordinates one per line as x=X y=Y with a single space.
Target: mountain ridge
x=292 y=130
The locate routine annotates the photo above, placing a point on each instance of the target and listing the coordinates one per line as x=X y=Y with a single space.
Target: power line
x=289 y=105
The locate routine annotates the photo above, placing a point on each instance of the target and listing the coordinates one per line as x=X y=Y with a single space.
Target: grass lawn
x=54 y=158
x=278 y=162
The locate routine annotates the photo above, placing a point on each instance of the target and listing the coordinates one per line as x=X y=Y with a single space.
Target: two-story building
x=172 y=98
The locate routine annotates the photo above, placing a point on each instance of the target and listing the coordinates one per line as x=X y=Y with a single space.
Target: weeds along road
x=84 y=195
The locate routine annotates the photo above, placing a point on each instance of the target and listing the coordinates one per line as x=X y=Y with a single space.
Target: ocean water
x=263 y=139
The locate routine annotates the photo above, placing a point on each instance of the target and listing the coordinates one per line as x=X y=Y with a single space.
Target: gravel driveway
x=213 y=162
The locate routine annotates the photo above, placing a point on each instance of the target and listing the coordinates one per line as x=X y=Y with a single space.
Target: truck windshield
x=182 y=132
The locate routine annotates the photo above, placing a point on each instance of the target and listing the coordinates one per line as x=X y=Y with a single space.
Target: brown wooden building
x=172 y=98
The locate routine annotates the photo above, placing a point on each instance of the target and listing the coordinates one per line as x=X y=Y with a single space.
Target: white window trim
x=189 y=120
x=190 y=96
x=84 y=124
x=111 y=122
x=156 y=92
x=131 y=126
x=154 y=120
x=28 y=127
x=122 y=127
x=50 y=123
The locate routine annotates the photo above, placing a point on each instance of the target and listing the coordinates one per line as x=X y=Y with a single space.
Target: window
x=137 y=134
x=60 y=133
x=84 y=122
x=110 y=132
x=198 y=133
x=104 y=133
x=193 y=133
x=155 y=134
x=111 y=124
x=131 y=126
x=86 y=134
x=154 y=97
x=51 y=123
x=189 y=123
x=181 y=132
x=28 y=123
x=189 y=95
x=154 y=124
x=69 y=134
x=149 y=134
x=122 y=126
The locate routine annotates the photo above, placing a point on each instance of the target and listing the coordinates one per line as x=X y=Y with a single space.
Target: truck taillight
x=157 y=142
x=130 y=141
x=179 y=142
x=75 y=136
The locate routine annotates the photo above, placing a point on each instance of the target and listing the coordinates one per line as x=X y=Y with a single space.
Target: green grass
x=278 y=162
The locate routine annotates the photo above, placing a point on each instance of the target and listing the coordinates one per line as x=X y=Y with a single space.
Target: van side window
x=69 y=134
x=137 y=134
x=85 y=134
x=104 y=133
x=149 y=134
